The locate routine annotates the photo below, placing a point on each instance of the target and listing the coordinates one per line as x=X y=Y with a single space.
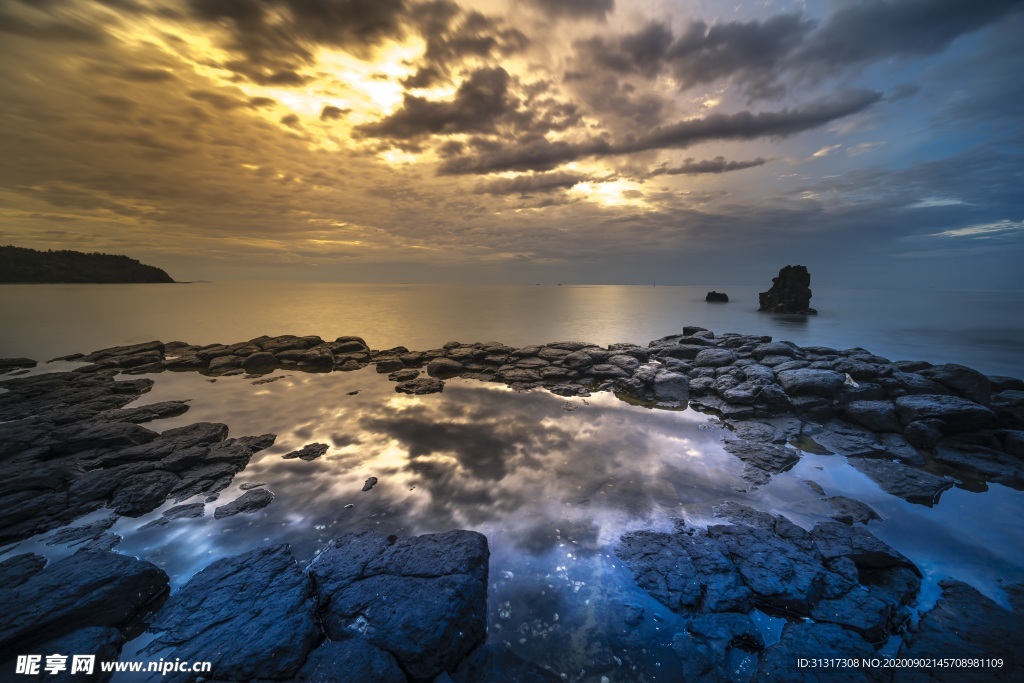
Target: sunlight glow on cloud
x=983 y=230
x=930 y=202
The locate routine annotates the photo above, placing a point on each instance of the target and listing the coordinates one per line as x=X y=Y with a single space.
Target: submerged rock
x=909 y=483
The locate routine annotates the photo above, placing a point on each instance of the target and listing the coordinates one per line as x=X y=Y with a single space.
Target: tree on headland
x=21 y=265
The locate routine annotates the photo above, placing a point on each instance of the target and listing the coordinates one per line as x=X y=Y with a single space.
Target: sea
x=552 y=482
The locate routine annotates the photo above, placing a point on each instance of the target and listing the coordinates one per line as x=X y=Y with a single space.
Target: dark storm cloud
x=878 y=29
x=453 y=35
x=575 y=8
x=537 y=153
x=532 y=183
x=716 y=165
x=274 y=36
x=761 y=54
x=481 y=103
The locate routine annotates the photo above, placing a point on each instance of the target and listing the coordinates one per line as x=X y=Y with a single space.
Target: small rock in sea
x=248 y=486
x=370 y=483
x=250 y=501
x=350 y=505
x=309 y=452
x=717 y=297
x=352 y=393
x=418 y=387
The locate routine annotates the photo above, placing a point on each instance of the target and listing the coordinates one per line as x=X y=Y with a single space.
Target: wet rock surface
x=69 y=446
x=91 y=588
x=853 y=585
x=251 y=616
x=247 y=503
x=965 y=623
x=423 y=599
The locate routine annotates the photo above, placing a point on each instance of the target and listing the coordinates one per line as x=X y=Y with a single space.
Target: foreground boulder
x=423 y=600
x=91 y=588
x=251 y=616
x=790 y=292
x=835 y=573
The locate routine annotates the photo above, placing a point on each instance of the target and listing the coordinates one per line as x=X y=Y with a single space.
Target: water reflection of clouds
x=477 y=456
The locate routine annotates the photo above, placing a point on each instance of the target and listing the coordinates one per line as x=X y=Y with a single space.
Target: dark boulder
x=261 y=362
x=963 y=380
x=252 y=616
x=444 y=368
x=879 y=416
x=957 y=414
x=89 y=588
x=790 y=292
x=420 y=386
x=717 y=297
x=421 y=599
x=810 y=382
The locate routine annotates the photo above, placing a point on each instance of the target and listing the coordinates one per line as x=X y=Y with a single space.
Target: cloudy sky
x=619 y=141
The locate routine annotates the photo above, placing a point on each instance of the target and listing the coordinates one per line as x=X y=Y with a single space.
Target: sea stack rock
x=717 y=298
x=790 y=292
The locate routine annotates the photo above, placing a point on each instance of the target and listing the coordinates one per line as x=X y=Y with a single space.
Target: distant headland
x=20 y=265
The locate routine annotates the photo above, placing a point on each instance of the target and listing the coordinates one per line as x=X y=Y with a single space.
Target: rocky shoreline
x=69 y=448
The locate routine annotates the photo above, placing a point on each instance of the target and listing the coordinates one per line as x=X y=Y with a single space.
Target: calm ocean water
x=984 y=330
x=552 y=483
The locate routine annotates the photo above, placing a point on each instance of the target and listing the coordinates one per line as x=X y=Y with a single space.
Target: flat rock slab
x=350 y=661
x=89 y=588
x=965 y=623
x=247 y=503
x=421 y=599
x=252 y=616
x=815 y=640
x=762 y=460
x=309 y=452
x=833 y=573
x=958 y=414
x=849 y=511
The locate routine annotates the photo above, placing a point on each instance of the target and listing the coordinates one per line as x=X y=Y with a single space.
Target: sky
x=878 y=142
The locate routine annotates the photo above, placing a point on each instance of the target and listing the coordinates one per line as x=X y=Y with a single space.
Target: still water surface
x=552 y=483
x=984 y=330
